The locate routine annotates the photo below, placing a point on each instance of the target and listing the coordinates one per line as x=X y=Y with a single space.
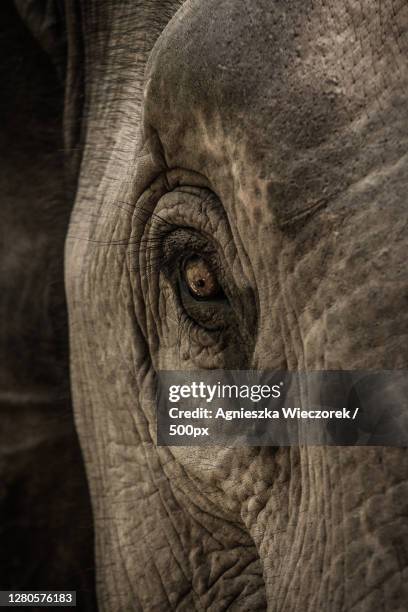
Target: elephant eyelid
x=178 y=245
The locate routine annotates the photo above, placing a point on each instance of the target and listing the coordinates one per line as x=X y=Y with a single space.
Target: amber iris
x=200 y=278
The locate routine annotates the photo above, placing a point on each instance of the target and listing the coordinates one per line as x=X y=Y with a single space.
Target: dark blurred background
x=46 y=539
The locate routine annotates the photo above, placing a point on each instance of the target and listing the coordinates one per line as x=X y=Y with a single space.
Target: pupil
x=200 y=282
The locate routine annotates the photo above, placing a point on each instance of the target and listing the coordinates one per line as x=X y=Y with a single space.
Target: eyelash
x=170 y=263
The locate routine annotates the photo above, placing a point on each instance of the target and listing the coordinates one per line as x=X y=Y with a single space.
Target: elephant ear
x=46 y=20
x=42 y=480
x=56 y=26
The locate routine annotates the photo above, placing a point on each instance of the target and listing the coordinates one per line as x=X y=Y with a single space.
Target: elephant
x=238 y=171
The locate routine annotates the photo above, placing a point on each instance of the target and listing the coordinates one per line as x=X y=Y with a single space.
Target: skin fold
x=272 y=137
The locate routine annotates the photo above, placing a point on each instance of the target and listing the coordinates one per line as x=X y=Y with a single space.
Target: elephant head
x=261 y=145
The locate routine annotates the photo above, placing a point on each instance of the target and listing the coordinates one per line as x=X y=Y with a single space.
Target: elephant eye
x=193 y=269
x=201 y=294
x=201 y=279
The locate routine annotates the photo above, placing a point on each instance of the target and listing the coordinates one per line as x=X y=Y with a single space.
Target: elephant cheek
x=337 y=533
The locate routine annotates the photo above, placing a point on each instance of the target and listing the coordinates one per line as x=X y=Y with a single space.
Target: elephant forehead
x=246 y=72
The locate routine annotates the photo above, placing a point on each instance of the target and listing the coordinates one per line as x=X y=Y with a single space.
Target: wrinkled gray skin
x=293 y=115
